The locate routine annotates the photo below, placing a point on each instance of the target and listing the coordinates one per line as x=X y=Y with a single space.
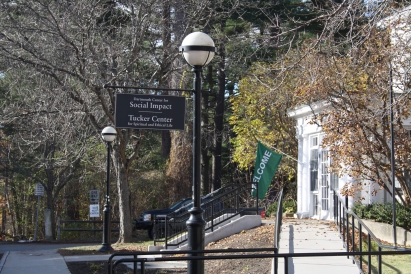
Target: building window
x=315 y=204
x=314 y=141
x=314 y=169
x=314 y=162
x=334 y=181
x=321 y=180
x=324 y=180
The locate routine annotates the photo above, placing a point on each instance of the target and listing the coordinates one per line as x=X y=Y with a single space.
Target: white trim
x=306 y=110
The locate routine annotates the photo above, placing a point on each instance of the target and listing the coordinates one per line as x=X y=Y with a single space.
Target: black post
x=256 y=197
x=106 y=245
x=394 y=215
x=196 y=223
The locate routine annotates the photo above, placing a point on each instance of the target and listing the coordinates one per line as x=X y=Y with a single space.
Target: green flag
x=266 y=164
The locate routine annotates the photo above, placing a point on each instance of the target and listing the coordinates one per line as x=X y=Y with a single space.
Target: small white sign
x=94 y=196
x=39 y=191
x=94 y=211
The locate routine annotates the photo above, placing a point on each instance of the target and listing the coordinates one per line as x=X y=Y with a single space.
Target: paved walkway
x=297 y=236
x=42 y=261
x=307 y=236
x=43 y=258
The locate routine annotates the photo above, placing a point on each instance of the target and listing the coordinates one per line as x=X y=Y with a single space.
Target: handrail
x=277 y=229
x=285 y=256
x=350 y=212
x=61 y=227
x=222 y=205
x=342 y=216
x=278 y=220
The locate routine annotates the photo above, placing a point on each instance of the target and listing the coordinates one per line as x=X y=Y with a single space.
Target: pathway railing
x=356 y=235
x=88 y=226
x=277 y=229
x=350 y=227
x=255 y=253
x=219 y=207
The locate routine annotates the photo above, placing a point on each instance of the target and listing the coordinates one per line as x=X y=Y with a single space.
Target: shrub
x=271 y=210
x=289 y=206
x=383 y=213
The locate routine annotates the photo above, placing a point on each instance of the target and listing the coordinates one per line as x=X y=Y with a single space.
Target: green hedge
x=383 y=213
x=289 y=206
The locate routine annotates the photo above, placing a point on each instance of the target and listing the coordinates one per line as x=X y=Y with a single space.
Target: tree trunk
x=178 y=173
x=219 y=121
x=123 y=190
x=166 y=37
x=50 y=207
x=205 y=158
x=165 y=143
x=16 y=220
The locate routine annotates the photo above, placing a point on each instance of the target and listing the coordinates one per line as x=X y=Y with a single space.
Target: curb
x=3 y=259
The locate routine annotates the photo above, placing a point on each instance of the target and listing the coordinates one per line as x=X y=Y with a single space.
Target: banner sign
x=94 y=211
x=266 y=164
x=150 y=111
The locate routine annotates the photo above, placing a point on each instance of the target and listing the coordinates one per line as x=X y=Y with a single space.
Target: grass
x=391 y=264
x=396 y=264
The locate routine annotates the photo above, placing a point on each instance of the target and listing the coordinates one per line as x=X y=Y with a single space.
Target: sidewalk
x=44 y=259
x=297 y=236
x=307 y=236
x=39 y=261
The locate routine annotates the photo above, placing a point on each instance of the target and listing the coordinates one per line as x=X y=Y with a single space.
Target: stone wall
x=385 y=232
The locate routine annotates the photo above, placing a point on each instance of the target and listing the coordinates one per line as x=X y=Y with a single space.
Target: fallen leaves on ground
x=259 y=237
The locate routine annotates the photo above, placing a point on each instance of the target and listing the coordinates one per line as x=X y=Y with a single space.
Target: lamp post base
x=105 y=248
x=195 y=230
x=106 y=245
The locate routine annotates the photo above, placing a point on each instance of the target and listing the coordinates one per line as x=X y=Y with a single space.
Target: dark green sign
x=266 y=164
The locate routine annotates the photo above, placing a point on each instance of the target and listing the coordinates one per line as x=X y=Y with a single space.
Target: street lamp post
x=108 y=134
x=198 y=50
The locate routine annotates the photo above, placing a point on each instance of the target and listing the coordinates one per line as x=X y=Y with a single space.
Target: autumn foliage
x=356 y=85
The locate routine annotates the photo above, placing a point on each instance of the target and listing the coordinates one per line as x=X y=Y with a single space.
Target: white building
x=315 y=184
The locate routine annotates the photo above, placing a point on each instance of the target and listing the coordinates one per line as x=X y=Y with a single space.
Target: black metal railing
x=255 y=253
x=355 y=235
x=350 y=227
x=86 y=226
x=277 y=229
x=219 y=207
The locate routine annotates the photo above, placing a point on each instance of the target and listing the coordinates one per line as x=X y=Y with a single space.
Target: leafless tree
x=81 y=46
